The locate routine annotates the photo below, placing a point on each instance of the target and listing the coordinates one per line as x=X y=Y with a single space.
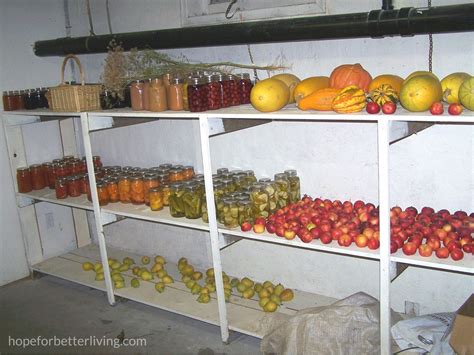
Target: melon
x=420 y=72
x=269 y=95
x=310 y=85
x=291 y=81
x=451 y=85
x=420 y=92
x=466 y=94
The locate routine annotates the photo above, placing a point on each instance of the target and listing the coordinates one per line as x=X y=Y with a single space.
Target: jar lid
x=231 y=77
x=136 y=177
x=124 y=177
x=34 y=166
x=95 y=157
x=249 y=173
x=127 y=168
x=150 y=177
x=291 y=172
x=100 y=184
x=57 y=160
x=23 y=168
x=60 y=179
x=165 y=166
x=236 y=172
x=178 y=81
x=155 y=189
x=198 y=176
x=68 y=157
x=73 y=177
x=244 y=75
x=113 y=179
x=195 y=81
x=280 y=176
x=48 y=164
x=264 y=180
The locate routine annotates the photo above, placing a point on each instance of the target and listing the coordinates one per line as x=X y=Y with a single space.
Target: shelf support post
x=95 y=204
x=214 y=235
x=384 y=216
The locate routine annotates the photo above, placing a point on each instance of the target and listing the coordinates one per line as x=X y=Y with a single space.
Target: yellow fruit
x=186 y=279
x=205 y=290
x=182 y=261
x=263 y=302
x=211 y=287
x=87 y=266
x=225 y=278
x=99 y=276
x=157 y=267
x=310 y=85
x=167 y=279
x=117 y=277
x=160 y=259
x=115 y=265
x=258 y=287
x=270 y=306
x=188 y=270
x=241 y=287
x=136 y=270
x=135 y=283
x=128 y=261
x=278 y=289
x=419 y=93
x=145 y=260
x=98 y=267
x=234 y=282
x=264 y=294
x=466 y=94
x=162 y=273
x=160 y=287
x=291 y=81
x=386 y=79
x=418 y=73
x=124 y=267
x=204 y=298
x=210 y=272
x=146 y=276
x=287 y=295
x=190 y=284
x=197 y=275
x=276 y=299
x=196 y=289
x=248 y=293
x=267 y=284
x=451 y=85
x=269 y=95
x=247 y=282
x=119 y=284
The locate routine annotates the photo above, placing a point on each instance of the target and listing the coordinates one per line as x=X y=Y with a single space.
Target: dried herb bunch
x=121 y=68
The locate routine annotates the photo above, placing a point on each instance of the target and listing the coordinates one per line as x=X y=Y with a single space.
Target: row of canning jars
x=195 y=93
x=39 y=176
x=28 y=99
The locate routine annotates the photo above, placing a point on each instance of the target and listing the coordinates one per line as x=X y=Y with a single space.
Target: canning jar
x=270 y=188
x=45 y=167
x=124 y=189
x=75 y=167
x=108 y=100
x=294 y=180
x=282 y=186
x=84 y=182
x=166 y=79
x=37 y=177
x=229 y=185
x=61 y=188
x=52 y=175
x=137 y=190
x=8 y=101
x=156 y=198
x=220 y=203
x=157 y=96
x=41 y=101
x=226 y=91
x=176 y=95
x=166 y=194
x=245 y=211
x=29 y=99
x=192 y=201
x=204 y=214
x=197 y=95
x=146 y=94
x=18 y=98
x=176 y=201
x=259 y=198
x=234 y=90
x=102 y=193
x=83 y=165
x=97 y=161
x=245 y=86
x=113 y=190
x=23 y=180
x=220 y=171
x=239 y=182
x=250 y=177
x=165 y=166
x=176 y=175
x=214 y=96
x=149 y=182
x=230 y=213
x=188 y=172
x=73 y=186
x=137 y=95
x=185 y=95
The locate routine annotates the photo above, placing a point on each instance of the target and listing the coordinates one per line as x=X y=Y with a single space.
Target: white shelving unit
x=240 y=315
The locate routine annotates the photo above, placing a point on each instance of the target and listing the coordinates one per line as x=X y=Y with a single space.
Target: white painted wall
x=334 y=160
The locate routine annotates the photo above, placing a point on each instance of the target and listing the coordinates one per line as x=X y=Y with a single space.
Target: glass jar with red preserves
x=23 y=179
x=112 y=189
x=214 y=96
x=245 y=86
x=197 y=95
x=175 y=175
x=37 y=177
x=188 y=172
x=52 y=175
x=61 y=187
x=137 y=190
x=75 y=166
x=102 y=193
x=73 y=186
x=61 y=170
x=97 y=162
x=9 y=101
x=226 y=90
x=46 y=167
x=84 y=182
x=234 y=90
x=83 y=166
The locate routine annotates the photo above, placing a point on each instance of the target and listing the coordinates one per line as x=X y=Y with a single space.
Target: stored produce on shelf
x=466 y=94
x=454 y=109
x=291 y=81
x=320 y=100
x=450 y=86
x=350 y=74
x=419 y=91
x=350 y=99
x=387 y=79
x=269 y=95
x=384 y=93
x=308 y=86
x=437 y=108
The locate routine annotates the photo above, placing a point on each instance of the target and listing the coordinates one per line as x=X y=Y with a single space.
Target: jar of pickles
x=23 y=180
x=294 y=180
x=61 y=188
x=221 y=171
x=230 y=213
x=149 y=182
x=176 y=200
x=204 y=214
x=197 y=95
x=220 y=203
x=250 y=177
x=245 y=86
x=156 y=198
x=166 y=194
x=260 y=201
x=73 y=186
x=102 y=193
x=282 y=186
x=238 y=181
x=229 y=185
x=113 y=190
x=192 y=200
x=245 y=211
x=137 y=190
x=270 y=188
x=124 y=189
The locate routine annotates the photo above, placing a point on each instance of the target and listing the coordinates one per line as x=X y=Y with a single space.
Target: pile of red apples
x=426 y=232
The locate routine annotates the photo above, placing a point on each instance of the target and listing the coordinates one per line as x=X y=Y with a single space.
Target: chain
x=430 y=50
x=109 y=23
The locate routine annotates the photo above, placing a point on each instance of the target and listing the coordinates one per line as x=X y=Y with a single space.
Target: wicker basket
x=74 y=98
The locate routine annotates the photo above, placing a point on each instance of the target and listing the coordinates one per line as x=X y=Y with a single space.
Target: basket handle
x=63 y=66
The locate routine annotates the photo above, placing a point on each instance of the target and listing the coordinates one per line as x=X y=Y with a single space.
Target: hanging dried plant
x=121 y=68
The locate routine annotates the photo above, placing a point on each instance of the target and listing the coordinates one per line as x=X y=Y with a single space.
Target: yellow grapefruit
x=451 y=85
x=291 y=81
x=386 y=79
x=466 y=94
x=418 y=93
x=310 y=85
x=269 y=95
x=420 y=72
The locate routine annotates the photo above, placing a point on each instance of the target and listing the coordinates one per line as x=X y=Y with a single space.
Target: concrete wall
x=434 y=168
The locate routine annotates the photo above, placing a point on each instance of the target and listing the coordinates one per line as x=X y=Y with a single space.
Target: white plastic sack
x=429 y=332
x=348 y=326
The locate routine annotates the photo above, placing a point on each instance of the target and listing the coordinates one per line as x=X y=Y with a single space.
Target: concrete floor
x=49 y=307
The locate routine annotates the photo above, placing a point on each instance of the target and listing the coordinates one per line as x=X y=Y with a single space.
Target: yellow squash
x=350 y=99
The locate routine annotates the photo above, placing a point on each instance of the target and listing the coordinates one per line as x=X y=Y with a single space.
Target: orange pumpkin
x=350 y=74
x=320 y=100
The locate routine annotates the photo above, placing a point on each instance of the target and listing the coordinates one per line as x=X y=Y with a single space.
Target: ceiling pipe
x=377 y=23
x=387 y=5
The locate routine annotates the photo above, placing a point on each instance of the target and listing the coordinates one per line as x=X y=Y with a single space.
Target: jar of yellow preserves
x=156 y=198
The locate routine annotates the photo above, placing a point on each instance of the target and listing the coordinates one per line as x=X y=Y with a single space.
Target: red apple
x=368 y=232
x=409 y=248
x=259 y=228
x=397 y=240
x=358 y=204
x=412 y=211
x=260 y=220
x=388 y=108
x=427 y=211
x=456 y=254
x=245 y=227
x=393 y=247
x=289 y=234
x=361 y=241
x=270 y=227
x=437 y=108
x=460 y=214
x=434 y=242
x=465 y=240
x=455 y=109
x=453 y=244
x=280 y=230
x=468 y=248
x=336 y=233
x=344 y=240
x=425 y=250
x=325 y=238
x=305 y=236
x=315 y=233
x=325 y=227
x=373 y=244
x=442 y=253
x=372 y=108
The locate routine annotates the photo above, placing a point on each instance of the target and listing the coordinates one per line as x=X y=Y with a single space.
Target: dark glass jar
x=23 y=180
x=245 y=86
x=214 y=96
x=107 y=100
x=37 y=177
x=73 y=186
x=226 y=90
x=197 y=95
x=61 y=188
x=29 y=99
x=234 y=90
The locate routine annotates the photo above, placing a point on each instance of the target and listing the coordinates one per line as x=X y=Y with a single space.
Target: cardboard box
x=462 y=336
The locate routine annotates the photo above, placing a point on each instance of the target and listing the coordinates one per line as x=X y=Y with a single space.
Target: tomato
x=388 y=108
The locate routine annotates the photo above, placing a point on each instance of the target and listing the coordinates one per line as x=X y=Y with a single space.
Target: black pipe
x=376 y=23
x=387 y=5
